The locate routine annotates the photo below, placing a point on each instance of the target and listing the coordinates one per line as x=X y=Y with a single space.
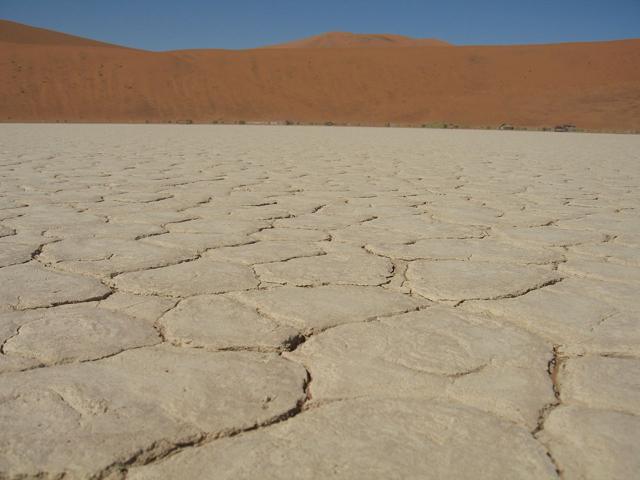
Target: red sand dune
x=47 y=76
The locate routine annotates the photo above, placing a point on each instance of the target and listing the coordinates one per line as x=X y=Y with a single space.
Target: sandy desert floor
x=298 y=302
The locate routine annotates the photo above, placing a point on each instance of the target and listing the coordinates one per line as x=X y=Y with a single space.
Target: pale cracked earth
x=291 y=302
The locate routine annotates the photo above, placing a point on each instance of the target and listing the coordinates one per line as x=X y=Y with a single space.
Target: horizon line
x=276 y=46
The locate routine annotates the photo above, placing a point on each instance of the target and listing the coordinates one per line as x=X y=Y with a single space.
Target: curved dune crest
x=361 y=40
x=13 y=32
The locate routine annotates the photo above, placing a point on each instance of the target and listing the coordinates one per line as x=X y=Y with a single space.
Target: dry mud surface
x=293 y=302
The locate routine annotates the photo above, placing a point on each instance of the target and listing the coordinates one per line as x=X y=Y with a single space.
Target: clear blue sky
x=166 y=24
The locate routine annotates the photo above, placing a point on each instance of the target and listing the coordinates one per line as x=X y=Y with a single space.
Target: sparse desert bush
x=242 y=122
x=329 y=124
x=435 y=125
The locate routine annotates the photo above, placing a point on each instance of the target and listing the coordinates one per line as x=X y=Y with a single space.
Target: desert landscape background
x=245 y=299
x=388 y=79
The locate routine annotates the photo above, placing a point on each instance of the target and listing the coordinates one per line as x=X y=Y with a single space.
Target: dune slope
x=592 y=85
x=13 y=32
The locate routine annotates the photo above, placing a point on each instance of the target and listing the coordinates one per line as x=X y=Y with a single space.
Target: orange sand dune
x=355 y=40
x=46 y=76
